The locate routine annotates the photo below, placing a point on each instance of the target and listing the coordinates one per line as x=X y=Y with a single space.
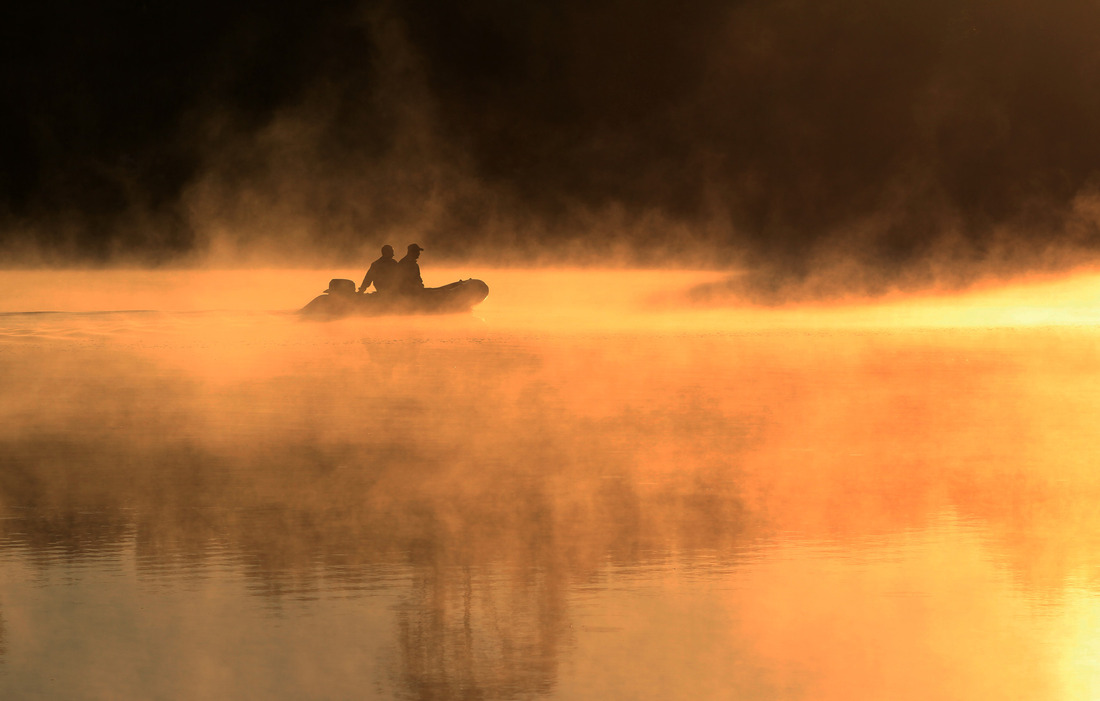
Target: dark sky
x=782 y=132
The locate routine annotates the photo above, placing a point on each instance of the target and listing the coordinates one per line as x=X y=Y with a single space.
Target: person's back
x=408 y=272
x=382 y=272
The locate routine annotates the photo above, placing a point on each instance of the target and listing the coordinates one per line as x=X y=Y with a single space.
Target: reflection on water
x=239 y=505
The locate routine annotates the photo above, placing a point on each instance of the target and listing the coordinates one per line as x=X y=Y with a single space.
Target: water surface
x=581 y=491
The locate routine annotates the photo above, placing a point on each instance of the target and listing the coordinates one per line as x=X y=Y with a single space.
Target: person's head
x=387 y=251
x=414 y=251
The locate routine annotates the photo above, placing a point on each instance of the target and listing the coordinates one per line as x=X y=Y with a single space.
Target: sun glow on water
x=1080 y=658
x=887 y=498
x=565 y=300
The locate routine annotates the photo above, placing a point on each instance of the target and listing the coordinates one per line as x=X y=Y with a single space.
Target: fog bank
x=869 y=146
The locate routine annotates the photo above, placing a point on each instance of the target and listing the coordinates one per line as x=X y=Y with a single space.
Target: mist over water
x=830 y=148
x=814 y=419
x=581 y=490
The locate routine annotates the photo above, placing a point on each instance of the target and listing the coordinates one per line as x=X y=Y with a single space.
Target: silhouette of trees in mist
x=768 y=129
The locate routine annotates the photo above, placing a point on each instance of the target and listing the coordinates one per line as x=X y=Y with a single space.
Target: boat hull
x=457 y=297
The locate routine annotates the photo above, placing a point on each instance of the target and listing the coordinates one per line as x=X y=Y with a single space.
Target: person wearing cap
x=409 y=280
x=382 y=272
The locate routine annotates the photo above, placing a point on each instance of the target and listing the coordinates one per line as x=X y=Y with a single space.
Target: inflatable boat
x=341 y=299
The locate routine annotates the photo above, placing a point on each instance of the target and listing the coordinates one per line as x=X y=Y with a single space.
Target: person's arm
x=366 y=282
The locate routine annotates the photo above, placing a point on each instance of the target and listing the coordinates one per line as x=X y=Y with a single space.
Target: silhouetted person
x=382 y=272
x=409 y=280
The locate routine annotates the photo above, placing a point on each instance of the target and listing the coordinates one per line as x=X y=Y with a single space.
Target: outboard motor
x=340 y=287
x=338 y=300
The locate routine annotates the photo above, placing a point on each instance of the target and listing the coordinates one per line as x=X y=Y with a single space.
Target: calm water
x=563 y=496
